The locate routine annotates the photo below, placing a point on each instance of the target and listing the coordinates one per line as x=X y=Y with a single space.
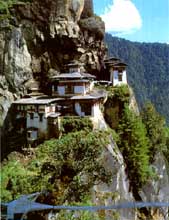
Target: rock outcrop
x=15 y=66
x=118 y=190
x=157 y=189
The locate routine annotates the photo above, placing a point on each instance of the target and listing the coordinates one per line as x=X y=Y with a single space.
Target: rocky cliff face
x=15 y=67
x=118 y=190
x=157 y=189
x=41 y=37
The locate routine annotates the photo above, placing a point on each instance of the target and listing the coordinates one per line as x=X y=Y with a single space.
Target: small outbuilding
x=116 y=70
x=39 y=117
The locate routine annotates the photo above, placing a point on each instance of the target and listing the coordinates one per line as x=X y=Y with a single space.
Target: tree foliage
x=113 y=108
x=122 y=93
x=74 y=163
x=140 y=139
x=14 y=179
x=155 y=125
x=135 y=148
x=66 y=167
x=73 y=124
x=5 y=6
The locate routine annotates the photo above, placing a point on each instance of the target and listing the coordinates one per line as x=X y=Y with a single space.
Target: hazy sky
x=136 y=20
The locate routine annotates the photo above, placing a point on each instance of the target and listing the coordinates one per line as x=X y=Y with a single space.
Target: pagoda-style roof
x=116 y=62
x=72 y=76
x=120 y=64
x=95 y=95
x=111 y=60
x=37 y=101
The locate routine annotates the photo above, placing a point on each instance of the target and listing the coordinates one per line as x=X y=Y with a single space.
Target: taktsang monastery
x=72 y=94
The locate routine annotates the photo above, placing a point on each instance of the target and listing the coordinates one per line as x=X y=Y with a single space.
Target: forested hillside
x=148 y=70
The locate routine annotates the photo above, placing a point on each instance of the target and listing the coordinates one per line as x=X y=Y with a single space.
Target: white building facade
x=72 y=94
x=70 y=84
x=36 y=113
x=117 y=71
x=118 y=77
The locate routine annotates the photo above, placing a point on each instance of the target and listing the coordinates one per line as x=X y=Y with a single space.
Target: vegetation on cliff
x=68 y=167
x=134 y=145
x=5 y=5
x=156 y=130
x=73 y=124
x=140 y=137
x=113 y=108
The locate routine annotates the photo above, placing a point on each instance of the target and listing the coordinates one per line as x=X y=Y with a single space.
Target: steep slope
x=148 y=70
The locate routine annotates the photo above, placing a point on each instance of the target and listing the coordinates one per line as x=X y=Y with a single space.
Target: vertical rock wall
x=15 y=67
x=157 y=189
x=118 y=190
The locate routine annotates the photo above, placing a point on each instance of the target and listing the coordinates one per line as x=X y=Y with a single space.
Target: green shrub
x=117 y=98
x=73 y=124
x=66 y=167
x=73 y=160
x=15 y=181
x=79 y=215
x=122 y=93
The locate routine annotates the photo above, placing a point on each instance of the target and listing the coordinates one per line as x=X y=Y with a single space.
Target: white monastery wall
x=91 y=86
x=115 y=78
x=95 y=110
x=36 y=123
x=124 y=77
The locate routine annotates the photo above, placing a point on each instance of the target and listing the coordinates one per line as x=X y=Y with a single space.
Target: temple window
x=120 y=76
x=86 y=108
x=69 y=89
x=31 y=116
x=41 y=117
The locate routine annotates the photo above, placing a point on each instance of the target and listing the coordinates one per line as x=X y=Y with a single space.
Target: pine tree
x=155 y=125
x=134 y=145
